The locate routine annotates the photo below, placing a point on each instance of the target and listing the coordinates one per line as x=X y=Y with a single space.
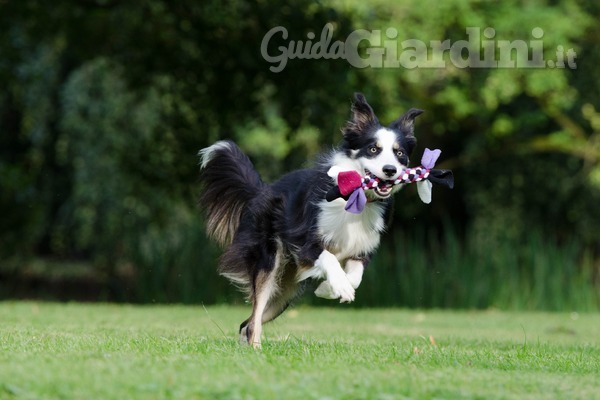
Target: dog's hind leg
x=264 y=288
x=289 y=289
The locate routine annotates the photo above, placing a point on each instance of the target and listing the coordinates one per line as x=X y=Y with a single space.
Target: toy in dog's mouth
x=357 y=190
x=382 y=188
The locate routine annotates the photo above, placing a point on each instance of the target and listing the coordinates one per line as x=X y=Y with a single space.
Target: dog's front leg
x=354 y=272
x=336 y=284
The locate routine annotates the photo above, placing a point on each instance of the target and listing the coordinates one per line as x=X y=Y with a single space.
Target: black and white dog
x=279 y=235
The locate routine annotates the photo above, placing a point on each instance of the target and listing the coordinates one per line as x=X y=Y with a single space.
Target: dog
x=279 y=236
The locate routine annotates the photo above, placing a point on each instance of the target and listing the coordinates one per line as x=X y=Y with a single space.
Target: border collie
x=277 y=236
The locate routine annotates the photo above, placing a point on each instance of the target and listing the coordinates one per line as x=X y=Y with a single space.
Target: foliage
x=106 y=104
x=437 y=270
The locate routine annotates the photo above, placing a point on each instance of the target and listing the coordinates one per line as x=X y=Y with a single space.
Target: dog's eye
x=399 y=153
x=373 y=149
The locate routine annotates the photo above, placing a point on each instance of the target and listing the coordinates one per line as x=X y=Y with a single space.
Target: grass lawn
x=83 y=351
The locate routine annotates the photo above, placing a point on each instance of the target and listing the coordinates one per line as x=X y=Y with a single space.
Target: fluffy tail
x=229 y=182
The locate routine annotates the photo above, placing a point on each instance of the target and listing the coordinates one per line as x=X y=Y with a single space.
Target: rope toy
x=351 y=186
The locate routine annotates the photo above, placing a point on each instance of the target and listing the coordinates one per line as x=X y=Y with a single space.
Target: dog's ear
x=406 y=122
x=362 y=116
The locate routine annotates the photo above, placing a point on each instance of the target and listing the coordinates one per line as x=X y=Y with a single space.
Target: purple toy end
x=430 y=157
x=356 y=202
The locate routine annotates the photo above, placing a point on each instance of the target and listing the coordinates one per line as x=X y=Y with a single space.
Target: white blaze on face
x=387 y=141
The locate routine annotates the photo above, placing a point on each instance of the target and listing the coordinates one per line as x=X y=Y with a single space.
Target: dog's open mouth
x=383 y=188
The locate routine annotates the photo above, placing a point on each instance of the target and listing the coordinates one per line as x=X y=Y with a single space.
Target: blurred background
x=105 y=104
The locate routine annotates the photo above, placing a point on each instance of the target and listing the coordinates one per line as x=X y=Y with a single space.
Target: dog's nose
x=389 y=170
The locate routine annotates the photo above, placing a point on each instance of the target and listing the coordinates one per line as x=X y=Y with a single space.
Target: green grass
x=75 y=351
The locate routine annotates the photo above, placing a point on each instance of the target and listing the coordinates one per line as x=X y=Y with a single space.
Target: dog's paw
x=325 y=291
x=341 y=287
x=354 y=272
x=243 y=338
x=336 y=284
x=347 y=296
x=355 y=278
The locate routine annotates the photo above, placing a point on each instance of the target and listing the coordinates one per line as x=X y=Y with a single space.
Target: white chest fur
x=350 y=235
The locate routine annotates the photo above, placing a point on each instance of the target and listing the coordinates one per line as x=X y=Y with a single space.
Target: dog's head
x=379 y=150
